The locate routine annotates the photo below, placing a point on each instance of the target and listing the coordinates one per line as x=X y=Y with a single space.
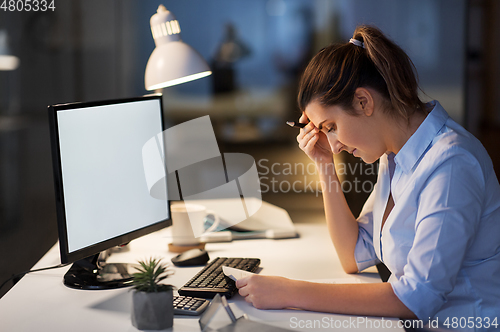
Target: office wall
x=87 y=50
x=76 y=53
x=84 y=50
x=487 y=76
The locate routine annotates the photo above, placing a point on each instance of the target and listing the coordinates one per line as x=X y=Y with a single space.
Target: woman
x=434 y=215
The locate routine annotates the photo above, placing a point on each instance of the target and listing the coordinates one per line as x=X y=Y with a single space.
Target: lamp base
x=181 y=248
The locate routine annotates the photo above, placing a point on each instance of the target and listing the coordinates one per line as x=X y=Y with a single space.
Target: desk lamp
x=7 y=61
x=172 y=61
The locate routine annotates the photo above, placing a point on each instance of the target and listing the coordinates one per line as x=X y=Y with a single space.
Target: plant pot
x=152 y=311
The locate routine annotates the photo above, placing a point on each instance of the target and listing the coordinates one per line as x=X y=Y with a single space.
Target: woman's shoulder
x=454 y=144
x=441 y=140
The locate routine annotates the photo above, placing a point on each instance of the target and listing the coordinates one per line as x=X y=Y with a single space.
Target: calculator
x=188 y=305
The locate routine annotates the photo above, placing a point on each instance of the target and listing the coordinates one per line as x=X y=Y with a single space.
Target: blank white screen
x=104 y=186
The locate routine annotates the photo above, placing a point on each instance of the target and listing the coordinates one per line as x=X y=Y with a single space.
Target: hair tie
x=357 y=42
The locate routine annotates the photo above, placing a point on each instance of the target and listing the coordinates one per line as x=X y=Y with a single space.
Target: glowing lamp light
x=172 y=61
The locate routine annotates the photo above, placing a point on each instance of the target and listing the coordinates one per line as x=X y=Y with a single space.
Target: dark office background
x=98 y=49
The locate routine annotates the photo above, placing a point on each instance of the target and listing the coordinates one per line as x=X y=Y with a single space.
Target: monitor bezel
x=66 y=255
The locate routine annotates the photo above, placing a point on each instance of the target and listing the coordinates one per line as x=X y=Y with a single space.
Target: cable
x=29 y=271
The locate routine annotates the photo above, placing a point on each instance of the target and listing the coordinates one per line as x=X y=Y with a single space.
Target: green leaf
x=150 y=273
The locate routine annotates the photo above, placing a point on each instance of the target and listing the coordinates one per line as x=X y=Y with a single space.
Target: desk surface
x=40 y=301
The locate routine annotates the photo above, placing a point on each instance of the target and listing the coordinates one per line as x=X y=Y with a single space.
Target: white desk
x=40 y=301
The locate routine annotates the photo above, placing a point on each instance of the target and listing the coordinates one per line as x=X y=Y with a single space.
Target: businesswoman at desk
x=433 y=217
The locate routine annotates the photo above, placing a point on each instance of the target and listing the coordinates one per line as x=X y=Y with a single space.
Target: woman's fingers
x=309 y=125
x=307 y=137
x=310 y=144
x=303 y=118
x=248 y=299
x=308 y=131
x=266 y=292
x=241 y=285
x=243 y=292
x=312 y=141
x=242 y=282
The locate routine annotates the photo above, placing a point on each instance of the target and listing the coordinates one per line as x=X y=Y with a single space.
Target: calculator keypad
x=187 y=305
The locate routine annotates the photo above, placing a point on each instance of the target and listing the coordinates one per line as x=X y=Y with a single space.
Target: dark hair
x=334 y=74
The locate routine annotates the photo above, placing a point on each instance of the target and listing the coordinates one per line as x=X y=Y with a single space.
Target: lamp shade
x=172 y=61
x=7 y=60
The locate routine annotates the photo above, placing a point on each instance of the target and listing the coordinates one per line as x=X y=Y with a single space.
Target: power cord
x=29 y=271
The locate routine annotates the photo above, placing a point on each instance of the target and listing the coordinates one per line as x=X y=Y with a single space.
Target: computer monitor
x=102 y=199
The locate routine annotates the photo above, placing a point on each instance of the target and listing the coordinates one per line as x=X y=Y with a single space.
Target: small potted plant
x=152 y=302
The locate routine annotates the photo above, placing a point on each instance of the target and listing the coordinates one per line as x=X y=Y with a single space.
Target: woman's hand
x=314 y=143
x=370 y=299
x=266 y=292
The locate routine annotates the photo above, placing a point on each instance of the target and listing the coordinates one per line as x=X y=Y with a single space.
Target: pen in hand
x=296 y=124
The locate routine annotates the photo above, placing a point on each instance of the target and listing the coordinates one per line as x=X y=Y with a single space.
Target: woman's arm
x=267 y=292
x=342 y=225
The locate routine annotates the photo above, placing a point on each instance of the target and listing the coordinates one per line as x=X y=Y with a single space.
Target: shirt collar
x=418 y=143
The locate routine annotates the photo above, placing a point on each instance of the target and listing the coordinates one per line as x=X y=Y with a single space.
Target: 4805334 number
x=471 y=322
x=28 y=5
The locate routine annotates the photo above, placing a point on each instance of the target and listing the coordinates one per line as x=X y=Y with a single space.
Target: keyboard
x=211 y=280
x=187 y=305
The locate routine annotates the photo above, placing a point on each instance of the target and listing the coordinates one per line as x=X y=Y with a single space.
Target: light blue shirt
x=441 y=240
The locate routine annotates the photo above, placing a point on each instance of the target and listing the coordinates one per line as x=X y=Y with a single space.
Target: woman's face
x=358 y=135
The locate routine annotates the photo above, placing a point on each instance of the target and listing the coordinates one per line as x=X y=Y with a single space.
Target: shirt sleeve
x=449 y=210
x=364 y=252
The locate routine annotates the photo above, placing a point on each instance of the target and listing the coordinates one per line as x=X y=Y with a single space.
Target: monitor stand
x=89 y=273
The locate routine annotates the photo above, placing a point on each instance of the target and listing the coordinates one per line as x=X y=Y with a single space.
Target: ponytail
x=370 y=59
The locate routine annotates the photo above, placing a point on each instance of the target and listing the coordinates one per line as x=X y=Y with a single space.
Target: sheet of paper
x=235 y=274
x=346 y=280
x=338 y=281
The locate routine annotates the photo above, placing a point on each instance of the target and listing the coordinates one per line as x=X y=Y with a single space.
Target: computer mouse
x=191 y=257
